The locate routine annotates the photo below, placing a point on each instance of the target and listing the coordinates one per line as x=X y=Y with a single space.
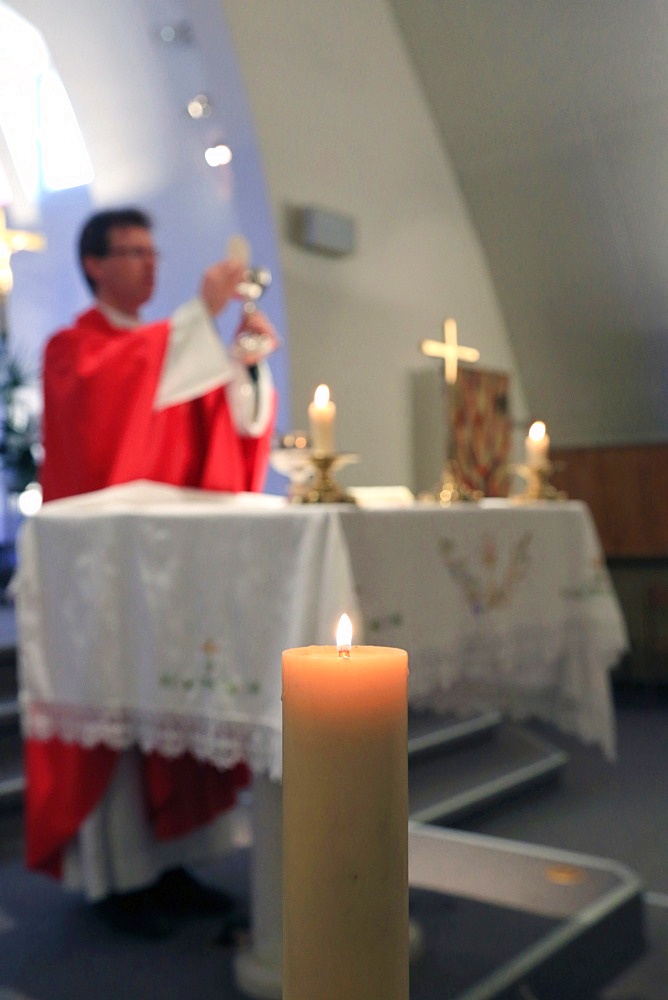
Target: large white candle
x=321 y=415
x=537 y=446
x=345 y=823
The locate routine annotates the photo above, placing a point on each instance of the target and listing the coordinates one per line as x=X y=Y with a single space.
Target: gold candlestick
x=324 y=488
x=450 y=490
x=538 y=485
x=310 y=471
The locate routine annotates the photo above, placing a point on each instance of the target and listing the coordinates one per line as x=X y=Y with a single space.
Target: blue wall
x=195 y=207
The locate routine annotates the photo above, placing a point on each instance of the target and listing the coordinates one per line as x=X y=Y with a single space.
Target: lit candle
x=537 y=446
x=321 y=414
x=345 y=822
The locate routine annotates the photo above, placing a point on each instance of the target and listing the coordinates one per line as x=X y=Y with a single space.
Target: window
x=41 y=145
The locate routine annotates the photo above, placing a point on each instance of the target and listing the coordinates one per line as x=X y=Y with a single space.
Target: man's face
x=125 y=278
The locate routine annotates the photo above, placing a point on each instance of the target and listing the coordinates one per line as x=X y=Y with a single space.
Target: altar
x=154 y=616
x=188 y=599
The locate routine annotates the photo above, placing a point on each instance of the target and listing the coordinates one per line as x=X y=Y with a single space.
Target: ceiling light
x=218 y=156
x=199 y=106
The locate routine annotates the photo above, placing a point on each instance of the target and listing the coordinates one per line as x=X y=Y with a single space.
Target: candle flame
x=537 y=430
x=344 y=635
x=321 y=397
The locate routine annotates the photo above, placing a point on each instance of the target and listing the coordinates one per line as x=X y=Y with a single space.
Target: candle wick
x=344 y=652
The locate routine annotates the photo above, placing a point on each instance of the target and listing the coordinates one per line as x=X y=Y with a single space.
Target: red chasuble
x=100 y=429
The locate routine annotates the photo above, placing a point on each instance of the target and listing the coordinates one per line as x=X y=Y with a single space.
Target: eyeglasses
x=134 y=253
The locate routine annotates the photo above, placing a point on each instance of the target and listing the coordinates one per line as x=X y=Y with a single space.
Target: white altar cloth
x=499 y=604
x=156 y=616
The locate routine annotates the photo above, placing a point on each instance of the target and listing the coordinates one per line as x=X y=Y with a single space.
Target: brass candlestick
x=324 y=488
x=538 y=485
x=450 y=489
x=310 y=472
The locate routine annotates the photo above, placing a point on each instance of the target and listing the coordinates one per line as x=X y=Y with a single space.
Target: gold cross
x=450 y=351
x=11 y=241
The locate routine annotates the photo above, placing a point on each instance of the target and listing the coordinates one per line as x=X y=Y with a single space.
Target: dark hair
x=94 y=237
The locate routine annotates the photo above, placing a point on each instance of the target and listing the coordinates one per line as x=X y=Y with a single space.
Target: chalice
x=251 y=288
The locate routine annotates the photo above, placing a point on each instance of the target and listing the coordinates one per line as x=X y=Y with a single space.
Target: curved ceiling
x=555 y=118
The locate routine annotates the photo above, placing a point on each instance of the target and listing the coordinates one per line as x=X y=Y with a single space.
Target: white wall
x=342 y=124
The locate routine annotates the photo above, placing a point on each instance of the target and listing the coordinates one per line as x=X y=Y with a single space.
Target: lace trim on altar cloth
x=529 y=674
x=550 y=706
x=220 y=742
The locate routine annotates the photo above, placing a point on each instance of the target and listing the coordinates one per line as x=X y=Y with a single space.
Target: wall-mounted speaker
x=323 y=231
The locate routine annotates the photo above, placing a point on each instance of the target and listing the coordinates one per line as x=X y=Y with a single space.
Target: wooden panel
x=626 y=488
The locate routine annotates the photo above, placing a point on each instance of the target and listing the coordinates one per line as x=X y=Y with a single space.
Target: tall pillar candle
x=537 y=446
x=321 y=415
x=345 y=824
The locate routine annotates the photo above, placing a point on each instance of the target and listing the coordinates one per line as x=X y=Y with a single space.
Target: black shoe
x=136 y=913
x=178 y=892
x=235 y=931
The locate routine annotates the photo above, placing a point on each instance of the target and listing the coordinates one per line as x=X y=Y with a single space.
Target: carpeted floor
x=614 y=810
x=52 y=947
x=610 y=810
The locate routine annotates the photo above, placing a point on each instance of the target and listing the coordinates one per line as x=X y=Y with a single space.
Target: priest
x=163 y=401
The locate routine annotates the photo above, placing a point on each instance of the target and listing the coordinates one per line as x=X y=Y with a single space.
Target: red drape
x=66 y=782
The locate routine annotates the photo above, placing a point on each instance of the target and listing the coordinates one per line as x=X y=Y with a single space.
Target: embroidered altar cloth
x=156 y=616
x=499 y=604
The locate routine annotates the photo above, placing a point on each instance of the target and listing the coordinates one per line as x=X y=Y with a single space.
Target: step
x=428 y=731
x=11 y=839
x=12 y=787
x=445 y=786
x=550 y=917
x=8 y=685
x=12 y=784
x=9 y=712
